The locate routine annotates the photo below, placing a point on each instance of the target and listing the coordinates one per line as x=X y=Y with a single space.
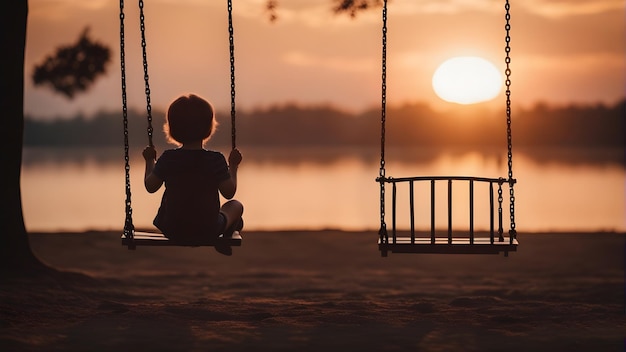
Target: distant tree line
x=407 y=125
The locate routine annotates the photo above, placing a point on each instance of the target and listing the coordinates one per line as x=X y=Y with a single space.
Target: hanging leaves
x=270 y=7
x=351 y=7
x=72 y=69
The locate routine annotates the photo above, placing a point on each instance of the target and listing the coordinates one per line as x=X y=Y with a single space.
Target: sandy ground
x=318 y=291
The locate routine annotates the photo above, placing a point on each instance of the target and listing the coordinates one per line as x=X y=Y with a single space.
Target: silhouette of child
x=193 y=177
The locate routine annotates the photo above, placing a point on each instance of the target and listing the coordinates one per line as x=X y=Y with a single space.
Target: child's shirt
x=190 y=204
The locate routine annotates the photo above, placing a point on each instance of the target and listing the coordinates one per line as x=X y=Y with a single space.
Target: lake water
x=76 y=190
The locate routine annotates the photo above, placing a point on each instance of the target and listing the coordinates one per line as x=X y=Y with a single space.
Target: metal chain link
x=231 y=41
x=507 y=26
x=383 y=117
x=500 y=199
x=128 y=223
x=146 y=77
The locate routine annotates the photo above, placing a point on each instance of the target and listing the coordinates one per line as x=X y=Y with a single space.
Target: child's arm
x=228 y=188
x=150 y=181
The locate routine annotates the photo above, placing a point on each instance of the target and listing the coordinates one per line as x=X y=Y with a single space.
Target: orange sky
x=567 y=51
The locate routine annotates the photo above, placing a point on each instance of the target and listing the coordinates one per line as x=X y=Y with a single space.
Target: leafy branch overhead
x=73 y=68
x=351 y=7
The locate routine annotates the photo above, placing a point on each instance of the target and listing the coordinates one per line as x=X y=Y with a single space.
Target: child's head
x=189 y=119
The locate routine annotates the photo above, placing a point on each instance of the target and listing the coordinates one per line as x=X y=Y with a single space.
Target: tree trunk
x=16 y=256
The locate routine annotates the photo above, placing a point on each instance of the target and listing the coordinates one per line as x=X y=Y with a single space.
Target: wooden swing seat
x=443 y=245
x=142 y=238
x=453 y=242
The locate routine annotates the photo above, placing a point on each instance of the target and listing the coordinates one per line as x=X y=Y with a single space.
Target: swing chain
x=507 y=26
x=381 y=179
x=128 y=223
x=384 y=92
x=142 y=25
x=231 y=41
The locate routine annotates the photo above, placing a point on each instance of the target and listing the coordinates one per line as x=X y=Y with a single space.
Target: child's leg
x=232 y=210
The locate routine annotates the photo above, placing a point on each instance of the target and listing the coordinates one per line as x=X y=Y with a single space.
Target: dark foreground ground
x=317 y=291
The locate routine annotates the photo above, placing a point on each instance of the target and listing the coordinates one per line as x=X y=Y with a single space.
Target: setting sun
x=467 y=80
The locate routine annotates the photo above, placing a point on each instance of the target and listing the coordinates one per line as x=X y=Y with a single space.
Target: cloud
x=62 y=10
x=92 y=4
x=548 y=8
x=563 y=8
x=574 y=63
x=310 y=9
x=342 y=64
x=409 y=7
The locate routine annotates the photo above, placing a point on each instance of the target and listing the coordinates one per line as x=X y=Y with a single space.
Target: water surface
x=557 y=190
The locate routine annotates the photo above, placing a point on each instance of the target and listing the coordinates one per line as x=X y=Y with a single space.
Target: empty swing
x=130 y=237
x=447 y=241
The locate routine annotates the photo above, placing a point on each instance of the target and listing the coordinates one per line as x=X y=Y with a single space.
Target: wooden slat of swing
x=481 y=245
x=142 y=238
